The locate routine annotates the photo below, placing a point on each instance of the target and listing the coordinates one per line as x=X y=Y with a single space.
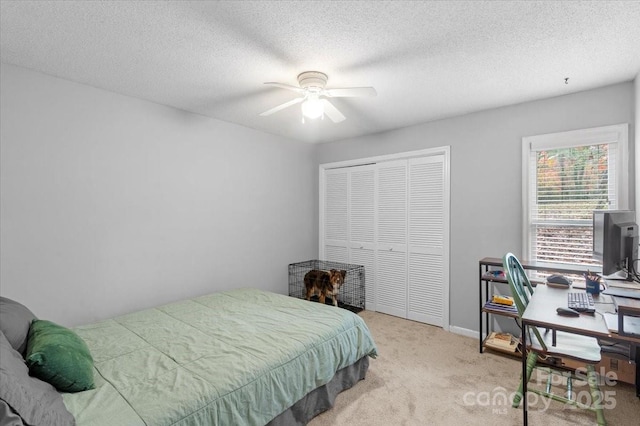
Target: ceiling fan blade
x=282 y=106
x=351 y=92
x=287 y=86
x=332 y=112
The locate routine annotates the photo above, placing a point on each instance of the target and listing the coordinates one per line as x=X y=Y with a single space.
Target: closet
x=391 y=214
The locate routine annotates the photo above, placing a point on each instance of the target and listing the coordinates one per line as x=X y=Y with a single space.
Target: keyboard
x=581 y=301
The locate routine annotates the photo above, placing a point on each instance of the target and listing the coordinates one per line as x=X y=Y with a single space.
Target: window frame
x=617 y=133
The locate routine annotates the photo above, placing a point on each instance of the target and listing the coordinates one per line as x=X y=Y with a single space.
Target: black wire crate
x=352 y=292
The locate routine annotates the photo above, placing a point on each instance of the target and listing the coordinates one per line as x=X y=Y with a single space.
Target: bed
x=239 y=357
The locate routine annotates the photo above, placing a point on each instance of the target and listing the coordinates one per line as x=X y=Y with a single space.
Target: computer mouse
x=559 y=279
x=567 y=312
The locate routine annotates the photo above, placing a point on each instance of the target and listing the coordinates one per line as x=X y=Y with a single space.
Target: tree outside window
x=570 y=184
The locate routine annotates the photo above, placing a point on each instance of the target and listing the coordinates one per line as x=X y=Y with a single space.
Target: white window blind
x=569 y=175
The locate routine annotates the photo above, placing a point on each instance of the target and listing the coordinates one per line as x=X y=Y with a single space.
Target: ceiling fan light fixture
x=312 y=107
x=313 y=96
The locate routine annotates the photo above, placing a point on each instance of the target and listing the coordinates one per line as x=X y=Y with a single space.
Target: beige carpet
x=426 y=376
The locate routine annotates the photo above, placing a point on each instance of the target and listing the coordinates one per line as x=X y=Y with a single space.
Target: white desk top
x=541 y=312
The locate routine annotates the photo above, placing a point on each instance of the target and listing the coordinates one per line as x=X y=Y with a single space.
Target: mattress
x=239 y=357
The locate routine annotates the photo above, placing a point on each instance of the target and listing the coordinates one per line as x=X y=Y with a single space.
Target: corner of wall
x=635 y=136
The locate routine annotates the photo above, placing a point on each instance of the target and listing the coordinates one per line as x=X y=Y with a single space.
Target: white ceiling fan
x=314 y=94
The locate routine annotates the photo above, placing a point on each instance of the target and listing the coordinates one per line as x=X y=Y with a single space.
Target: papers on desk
x=631 y=324
x=622 y=284
x=622 y=292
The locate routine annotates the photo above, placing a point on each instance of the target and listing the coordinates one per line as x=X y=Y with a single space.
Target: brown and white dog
x=324 y=283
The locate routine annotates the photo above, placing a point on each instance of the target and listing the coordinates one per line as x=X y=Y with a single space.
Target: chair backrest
x=521 y=288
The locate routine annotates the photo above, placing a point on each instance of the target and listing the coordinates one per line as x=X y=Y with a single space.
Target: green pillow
x=59 y=356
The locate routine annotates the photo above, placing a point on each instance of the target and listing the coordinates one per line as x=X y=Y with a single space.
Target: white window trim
x=592 y=136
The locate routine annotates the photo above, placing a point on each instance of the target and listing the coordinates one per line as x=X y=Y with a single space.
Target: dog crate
x=352 y=293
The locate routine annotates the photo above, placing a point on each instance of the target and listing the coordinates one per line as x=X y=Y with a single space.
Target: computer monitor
x=615 y=242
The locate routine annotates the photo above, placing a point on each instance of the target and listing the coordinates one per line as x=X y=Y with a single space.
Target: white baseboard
x=464 y=332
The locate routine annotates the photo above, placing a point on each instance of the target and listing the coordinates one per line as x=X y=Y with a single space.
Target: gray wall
x=486 y=193
x=111 y=204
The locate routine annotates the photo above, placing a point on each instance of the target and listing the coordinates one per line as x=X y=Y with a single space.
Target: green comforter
x=239 y=357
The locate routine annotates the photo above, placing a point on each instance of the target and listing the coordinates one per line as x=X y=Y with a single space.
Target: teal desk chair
x=581 y=348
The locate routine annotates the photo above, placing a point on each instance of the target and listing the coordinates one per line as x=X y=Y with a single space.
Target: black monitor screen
x=615 y=241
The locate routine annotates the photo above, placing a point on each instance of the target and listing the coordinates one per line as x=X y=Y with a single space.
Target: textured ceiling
x=427 y=60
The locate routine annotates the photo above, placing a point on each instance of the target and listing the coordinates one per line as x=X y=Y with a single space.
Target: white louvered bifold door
x=426 y=236
x=391 y=247
x=392 y=217
x=336 y=218
x=362 y=219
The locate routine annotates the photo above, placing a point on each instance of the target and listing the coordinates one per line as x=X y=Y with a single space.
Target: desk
x=624 y=306
x=541 y=312
x=494 y=263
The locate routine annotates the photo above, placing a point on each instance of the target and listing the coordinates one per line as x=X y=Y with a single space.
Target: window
x=565 y=177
